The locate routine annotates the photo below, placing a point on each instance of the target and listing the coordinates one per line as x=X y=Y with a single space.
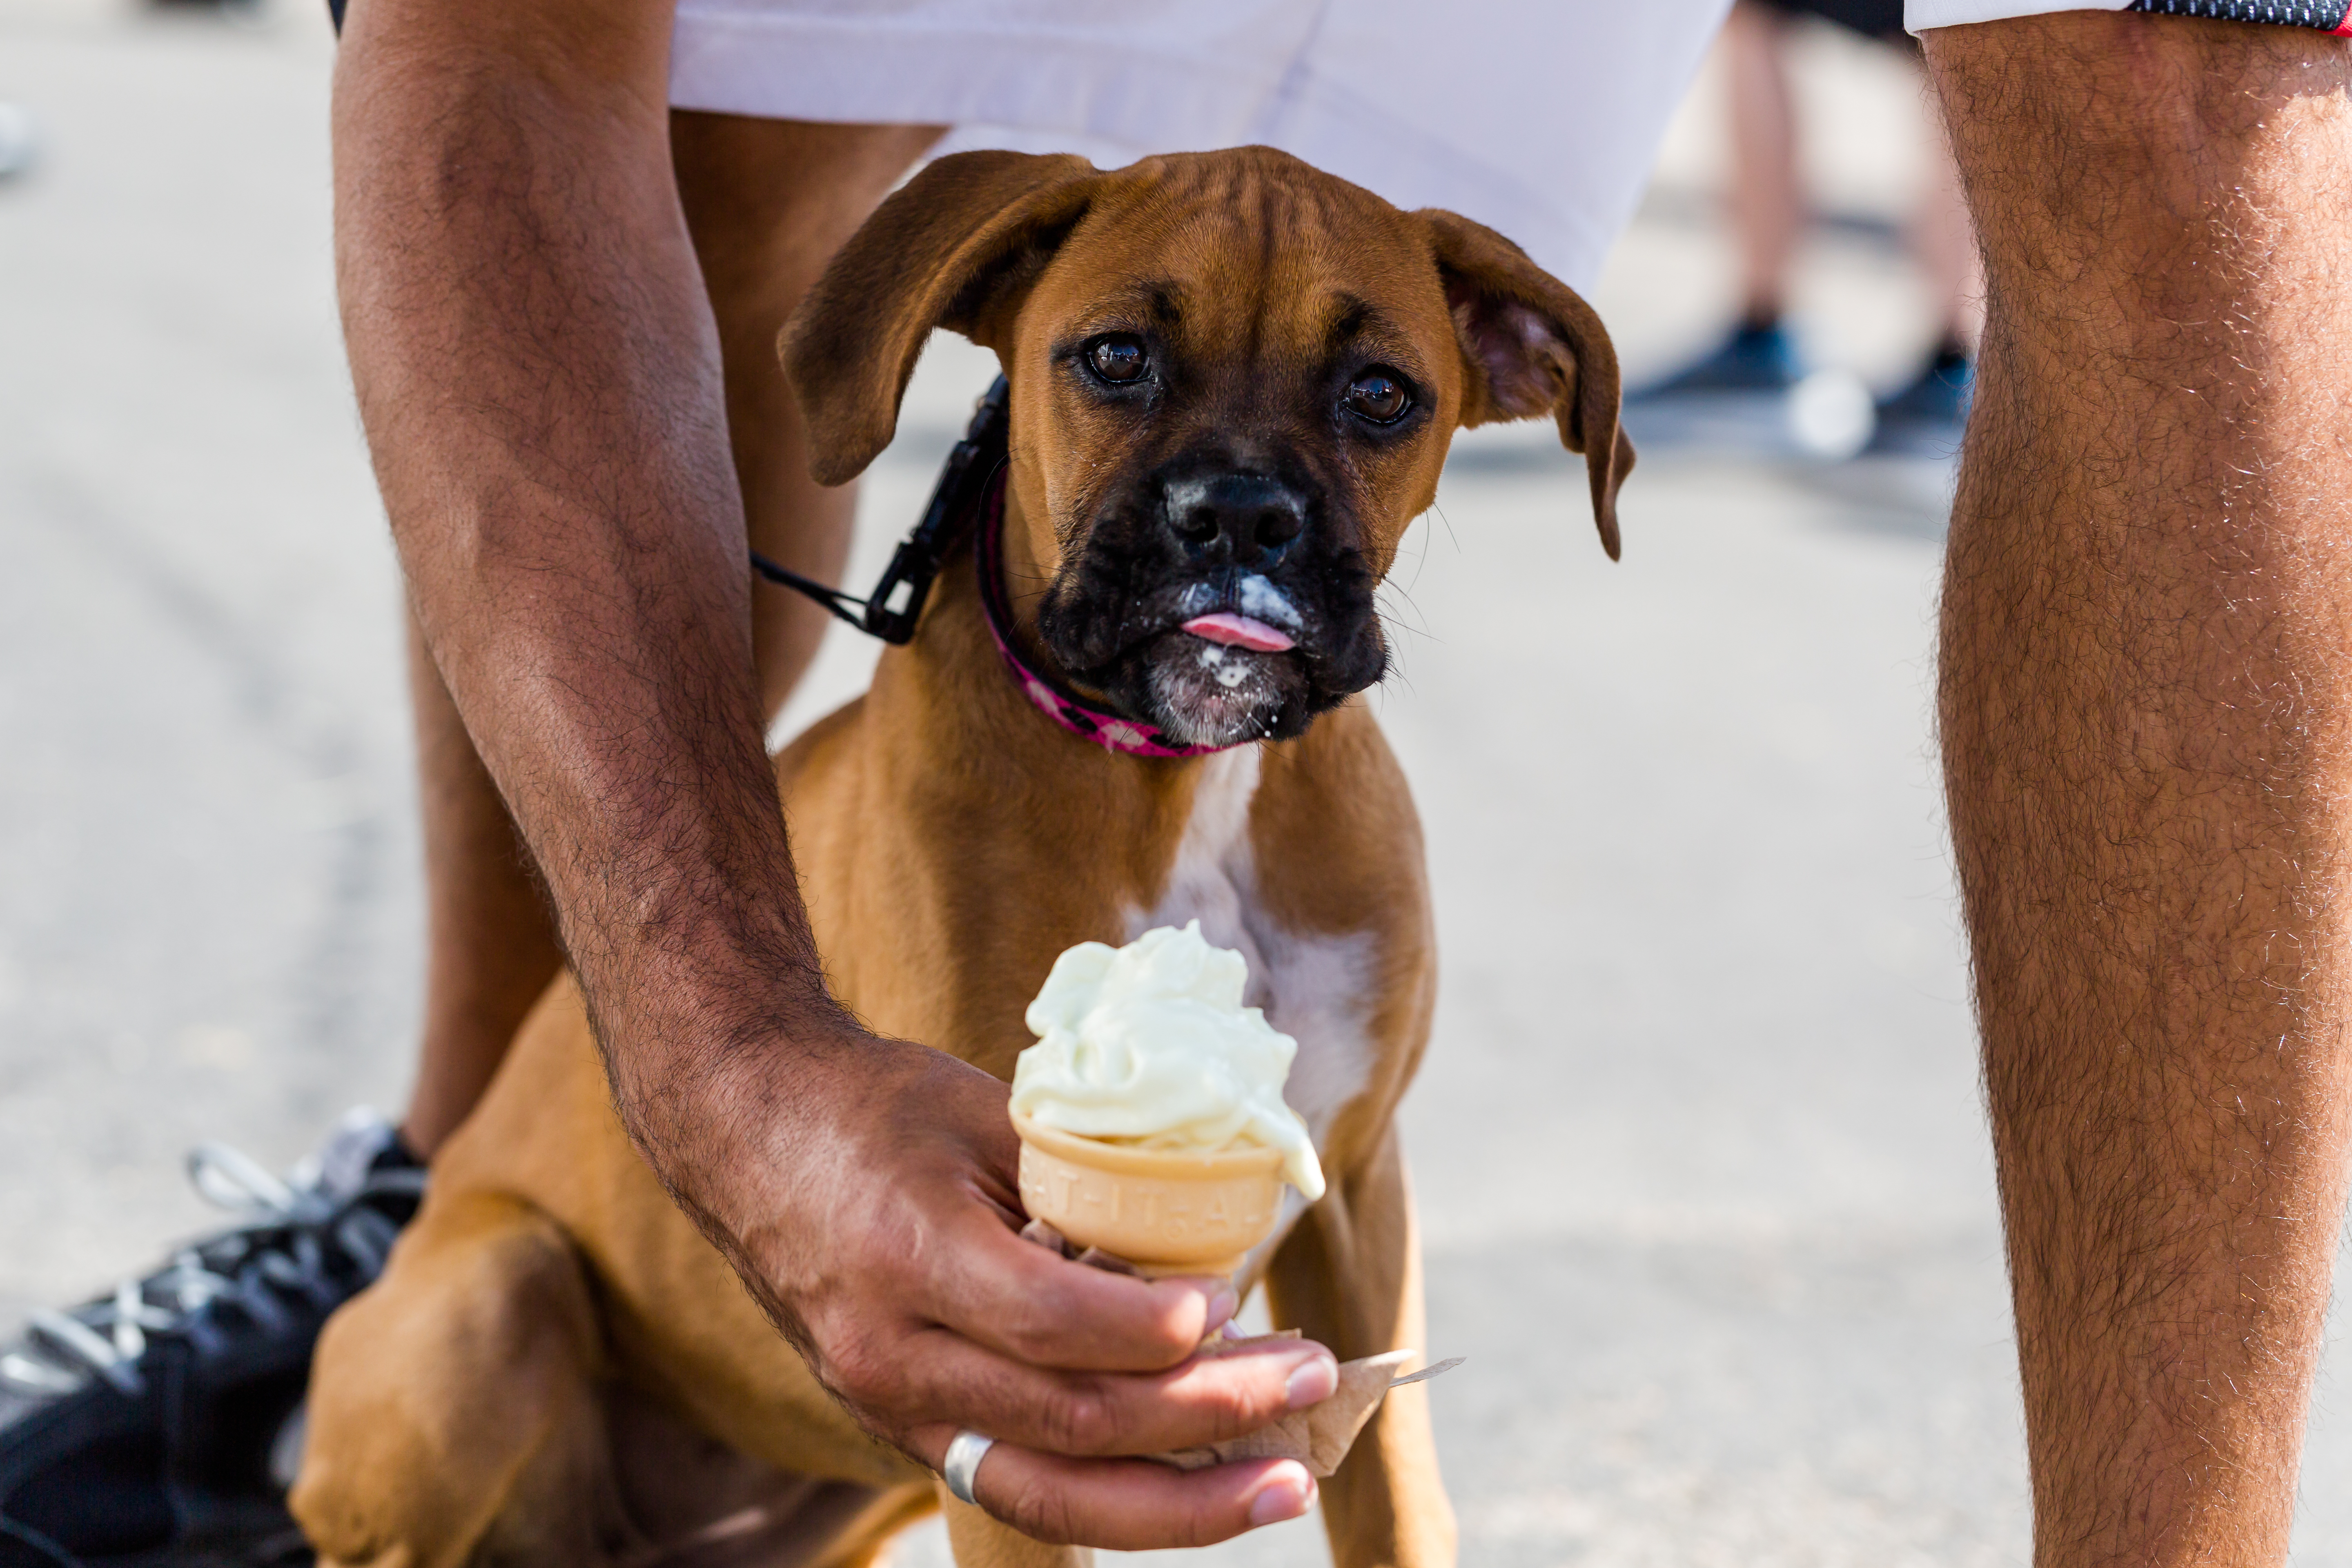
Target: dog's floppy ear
x=947 y=249
x=1530 y=345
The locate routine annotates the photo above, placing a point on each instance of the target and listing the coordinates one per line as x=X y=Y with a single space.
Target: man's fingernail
x=1223 y=1305
x=1289 y=1492
x=1311 y=1383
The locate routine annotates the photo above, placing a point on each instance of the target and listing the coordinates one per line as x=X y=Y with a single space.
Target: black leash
x=955 y=503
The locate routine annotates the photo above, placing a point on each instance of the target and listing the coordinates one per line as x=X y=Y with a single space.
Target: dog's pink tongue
x=1238 y=631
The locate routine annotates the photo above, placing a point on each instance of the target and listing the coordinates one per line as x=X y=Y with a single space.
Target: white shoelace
x=280 y=1247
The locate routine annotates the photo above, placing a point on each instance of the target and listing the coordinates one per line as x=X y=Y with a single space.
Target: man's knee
x=2141 y=152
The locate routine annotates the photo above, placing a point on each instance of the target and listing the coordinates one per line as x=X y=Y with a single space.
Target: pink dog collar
x=1107 y=730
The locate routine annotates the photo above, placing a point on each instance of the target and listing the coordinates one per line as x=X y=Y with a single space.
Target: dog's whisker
x=1390 y=620
x=1454 y=538
x=1421 y=557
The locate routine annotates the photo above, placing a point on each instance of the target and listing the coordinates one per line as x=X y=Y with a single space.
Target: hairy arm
x=539 y=375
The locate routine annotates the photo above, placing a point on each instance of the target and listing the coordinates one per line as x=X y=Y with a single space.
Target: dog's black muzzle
x=1197 y=541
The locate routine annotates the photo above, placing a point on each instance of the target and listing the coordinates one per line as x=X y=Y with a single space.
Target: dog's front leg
x=1349 y=1275
x=453 y=1411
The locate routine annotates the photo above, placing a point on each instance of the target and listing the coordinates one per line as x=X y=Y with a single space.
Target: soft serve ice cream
x=1149 y=1045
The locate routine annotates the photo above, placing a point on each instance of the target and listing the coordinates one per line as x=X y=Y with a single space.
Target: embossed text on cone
x=1165 y=1211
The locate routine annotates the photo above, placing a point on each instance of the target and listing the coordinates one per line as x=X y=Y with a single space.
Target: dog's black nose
x=1248 y=516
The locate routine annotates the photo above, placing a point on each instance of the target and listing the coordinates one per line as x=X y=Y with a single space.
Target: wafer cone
x=1164 y=1211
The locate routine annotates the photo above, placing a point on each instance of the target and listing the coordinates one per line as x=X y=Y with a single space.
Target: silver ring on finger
x=962 y=1466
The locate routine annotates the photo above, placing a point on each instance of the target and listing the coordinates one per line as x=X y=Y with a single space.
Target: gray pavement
x=1698 y=1144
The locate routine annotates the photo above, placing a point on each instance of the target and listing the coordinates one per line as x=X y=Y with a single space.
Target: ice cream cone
x=1166 y=1211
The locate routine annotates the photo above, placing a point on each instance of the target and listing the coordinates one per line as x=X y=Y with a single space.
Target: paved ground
x=1698 y=1144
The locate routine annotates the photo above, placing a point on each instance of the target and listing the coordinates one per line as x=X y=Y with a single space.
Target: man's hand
x=878 y=1231
x=540 y=378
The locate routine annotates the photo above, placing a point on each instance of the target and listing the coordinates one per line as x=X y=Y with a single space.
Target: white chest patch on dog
x=1315 y=989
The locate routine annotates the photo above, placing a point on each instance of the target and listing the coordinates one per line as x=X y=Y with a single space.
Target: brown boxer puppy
x=1234 y=383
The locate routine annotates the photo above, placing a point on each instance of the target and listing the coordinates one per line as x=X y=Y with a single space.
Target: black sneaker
x=161 y=1425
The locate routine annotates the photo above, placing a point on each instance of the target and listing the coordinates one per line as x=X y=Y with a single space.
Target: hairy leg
x=2145 y=682
x=1768 y=208
x=768 y=202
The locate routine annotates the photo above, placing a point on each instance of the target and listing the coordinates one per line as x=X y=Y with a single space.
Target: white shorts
x=1538 y=117
x=1919 y=16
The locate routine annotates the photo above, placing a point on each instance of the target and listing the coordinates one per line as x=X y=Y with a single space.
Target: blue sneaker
x=159 y=1426
x=1752 y=359
x=1932 y=413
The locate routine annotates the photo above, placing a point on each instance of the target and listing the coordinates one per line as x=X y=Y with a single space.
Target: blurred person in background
x=1769 y=212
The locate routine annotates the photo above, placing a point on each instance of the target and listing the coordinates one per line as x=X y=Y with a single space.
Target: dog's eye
x=1378 y=397
x=1118 y=358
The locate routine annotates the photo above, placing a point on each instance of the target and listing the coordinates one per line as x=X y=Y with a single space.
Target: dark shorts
x=1872 y=18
